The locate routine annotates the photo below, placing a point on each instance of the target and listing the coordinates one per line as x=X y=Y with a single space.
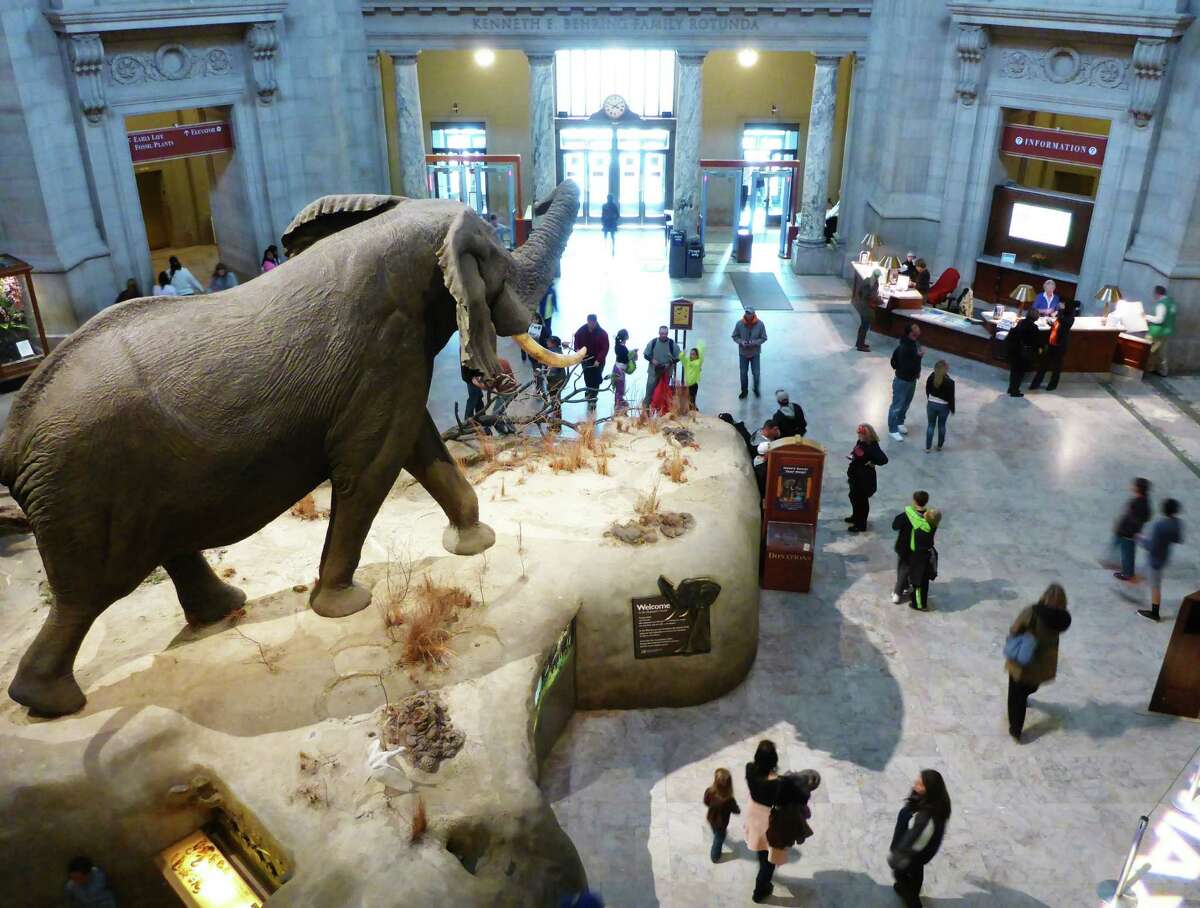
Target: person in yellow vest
x=1161 y=325
x=693 y=364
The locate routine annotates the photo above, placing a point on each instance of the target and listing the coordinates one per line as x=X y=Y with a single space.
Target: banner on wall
x=1079 y=148
x=180 y=141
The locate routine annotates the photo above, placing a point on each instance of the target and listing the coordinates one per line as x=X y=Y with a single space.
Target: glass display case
x=22 y=337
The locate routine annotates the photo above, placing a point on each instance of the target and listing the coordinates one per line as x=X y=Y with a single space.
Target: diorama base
x=281 y=711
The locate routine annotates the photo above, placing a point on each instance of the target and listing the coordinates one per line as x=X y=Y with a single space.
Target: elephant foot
x=470 y=540
x=47 y=696
x=339 y=601
x=215 y=605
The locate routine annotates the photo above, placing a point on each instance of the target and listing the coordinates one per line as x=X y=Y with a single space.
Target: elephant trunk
x=535 y=263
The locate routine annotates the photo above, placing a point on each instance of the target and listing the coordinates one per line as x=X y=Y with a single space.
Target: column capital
x=263 y=42
x=828 y=59
x=539 y=57
x=695 y=57
x=86 y=53
x=1149 y=65
x=408 y=58
x=971 y=45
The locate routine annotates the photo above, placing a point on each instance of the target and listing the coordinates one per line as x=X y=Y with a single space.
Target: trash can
x=695 y=258
x=793 y=232
x=677 y=255
x=743 y=244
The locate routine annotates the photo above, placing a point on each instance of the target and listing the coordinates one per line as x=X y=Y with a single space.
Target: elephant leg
x=433 y=467
x=45 y=679
x=204 y=596
x=351 y=514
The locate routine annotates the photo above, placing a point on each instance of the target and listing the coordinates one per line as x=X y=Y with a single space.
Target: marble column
x=541 y=124
x=688 y=99
x=410 y=128
x=817 y=152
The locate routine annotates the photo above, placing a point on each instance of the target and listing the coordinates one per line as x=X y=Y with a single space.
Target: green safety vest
x=918 y=521
x=1167 y=328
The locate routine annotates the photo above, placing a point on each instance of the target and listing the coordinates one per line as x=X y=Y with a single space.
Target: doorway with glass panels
x=764 y=193
x=628 y=163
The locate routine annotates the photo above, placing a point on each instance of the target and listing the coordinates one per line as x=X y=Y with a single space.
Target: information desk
x=896 y=299
x=1092 y=347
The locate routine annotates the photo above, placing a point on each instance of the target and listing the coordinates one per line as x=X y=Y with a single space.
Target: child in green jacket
x=691 y=371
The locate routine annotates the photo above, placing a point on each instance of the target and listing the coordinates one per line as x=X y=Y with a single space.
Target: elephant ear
x=469 y=246
x=332 y=213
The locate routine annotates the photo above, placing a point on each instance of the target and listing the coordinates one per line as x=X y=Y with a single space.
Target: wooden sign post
x=681 y=322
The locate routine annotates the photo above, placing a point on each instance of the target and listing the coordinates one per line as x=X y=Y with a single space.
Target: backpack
x=1021 y=648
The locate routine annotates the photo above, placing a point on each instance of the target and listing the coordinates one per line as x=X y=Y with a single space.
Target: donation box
x=1177 y=692
x=790 y=508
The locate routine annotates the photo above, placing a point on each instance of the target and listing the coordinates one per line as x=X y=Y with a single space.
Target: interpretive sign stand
x=790 y=508
x=681 y=322
x=1178 y=689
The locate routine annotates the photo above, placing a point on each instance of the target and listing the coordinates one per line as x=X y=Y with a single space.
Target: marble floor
x=866 y=692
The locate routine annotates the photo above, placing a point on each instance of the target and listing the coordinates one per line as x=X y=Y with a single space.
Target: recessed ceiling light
x=747 y=57
x=485 y=56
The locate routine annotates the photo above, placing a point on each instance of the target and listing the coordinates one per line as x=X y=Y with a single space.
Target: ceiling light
x=747 y=57
x=485 y=56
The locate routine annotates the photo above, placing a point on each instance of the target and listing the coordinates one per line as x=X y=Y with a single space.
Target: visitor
x=164 y=287
x=939 y=404
x=912 y=532
x=183 y=280
x=693 y=365
x=922 y=279
x=865 y=456
x=762 y=778
x=1045 y=621
x=222 y=279
x=546 y=307
x=920 y=827
x=661 y=355
x=1022 y=344
x=923 y=561
x=1160 y=326
x=1166 y=532
x=765 y=439
x=474 y=381
x=909 y=268
x=789 y=417
x=906 y=362
x=501 y=230
x=862 y=300
x=1129 y=524
x=625 y=363
x=270 y=259
x=719 y=800
x=556 y=379
x=87 y=884
x=749 y=334
x=610 y=217
x=131 y=292
x=1046 y=303
x=587 y=898
x=1056 y=347
x=595 y=339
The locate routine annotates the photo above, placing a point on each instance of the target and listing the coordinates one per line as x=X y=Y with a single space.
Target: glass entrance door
x=628 y=163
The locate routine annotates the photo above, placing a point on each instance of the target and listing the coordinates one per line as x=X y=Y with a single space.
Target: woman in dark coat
x=860 y=474
x=1046 y=620
x=766 y=791
x=918 y=835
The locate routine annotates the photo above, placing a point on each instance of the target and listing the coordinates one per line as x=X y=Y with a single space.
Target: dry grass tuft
x=674 y=465
x=487 y=447
x=681 y=403
x=397 y=581
x=587 y=434
x=420 y=822
x=648 y=505
x=570 y=457
x=427 y=642
x=602 y=459
x=306 y=509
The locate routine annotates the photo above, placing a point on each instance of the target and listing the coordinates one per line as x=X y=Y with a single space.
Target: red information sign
x=180 y=141
x=1053 y=145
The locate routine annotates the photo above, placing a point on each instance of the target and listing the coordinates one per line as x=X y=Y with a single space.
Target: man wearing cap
x=749 y=334
x=595 y=339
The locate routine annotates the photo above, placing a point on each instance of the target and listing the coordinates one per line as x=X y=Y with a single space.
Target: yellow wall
x=733 y=96
x=187 y=213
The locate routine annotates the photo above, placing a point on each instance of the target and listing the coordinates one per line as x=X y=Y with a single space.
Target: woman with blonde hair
x=939 y=391
x=865 y=456
x=1031 y=652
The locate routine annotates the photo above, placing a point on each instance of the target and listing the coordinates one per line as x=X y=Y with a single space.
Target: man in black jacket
x=1023 y=342
x=912 y=533
x=1056 y=347
x=906 y=361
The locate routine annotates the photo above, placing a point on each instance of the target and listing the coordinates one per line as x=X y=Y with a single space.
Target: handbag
x=1020 y=648
x=931 y=571
x=631 y=364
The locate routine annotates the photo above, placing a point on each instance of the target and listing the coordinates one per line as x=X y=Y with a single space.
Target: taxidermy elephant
x=170 y=425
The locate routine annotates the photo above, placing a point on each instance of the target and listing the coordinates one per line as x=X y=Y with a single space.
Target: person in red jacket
x=595 y=339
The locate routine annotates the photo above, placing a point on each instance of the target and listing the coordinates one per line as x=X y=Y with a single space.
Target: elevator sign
x=180 y=141
x=1054 y=145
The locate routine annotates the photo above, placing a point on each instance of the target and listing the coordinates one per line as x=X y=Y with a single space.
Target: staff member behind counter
x=1047 y=302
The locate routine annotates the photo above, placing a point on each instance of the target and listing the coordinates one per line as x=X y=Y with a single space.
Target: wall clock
x=615 y=107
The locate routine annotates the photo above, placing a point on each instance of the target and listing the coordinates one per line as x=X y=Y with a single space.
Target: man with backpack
x=661 y=355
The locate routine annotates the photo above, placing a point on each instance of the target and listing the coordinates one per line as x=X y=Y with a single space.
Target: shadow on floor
x=962 y=593
x=1096 y=720
x=843 y=888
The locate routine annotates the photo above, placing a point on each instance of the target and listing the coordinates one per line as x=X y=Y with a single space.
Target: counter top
x=1083 y=324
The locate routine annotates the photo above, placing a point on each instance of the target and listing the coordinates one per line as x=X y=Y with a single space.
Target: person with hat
x=749 y=334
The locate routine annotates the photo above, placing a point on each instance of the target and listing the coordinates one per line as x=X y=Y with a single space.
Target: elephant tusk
x=545 y=357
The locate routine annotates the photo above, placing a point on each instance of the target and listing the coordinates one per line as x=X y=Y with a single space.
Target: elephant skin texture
x=170 y=425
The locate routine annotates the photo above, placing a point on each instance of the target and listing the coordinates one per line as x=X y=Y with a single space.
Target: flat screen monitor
x=1038 y=224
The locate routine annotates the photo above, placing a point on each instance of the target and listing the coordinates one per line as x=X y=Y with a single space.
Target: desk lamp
x=1109 y=294
x=1023 y=294
x=891 y=267
x=869 y=244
